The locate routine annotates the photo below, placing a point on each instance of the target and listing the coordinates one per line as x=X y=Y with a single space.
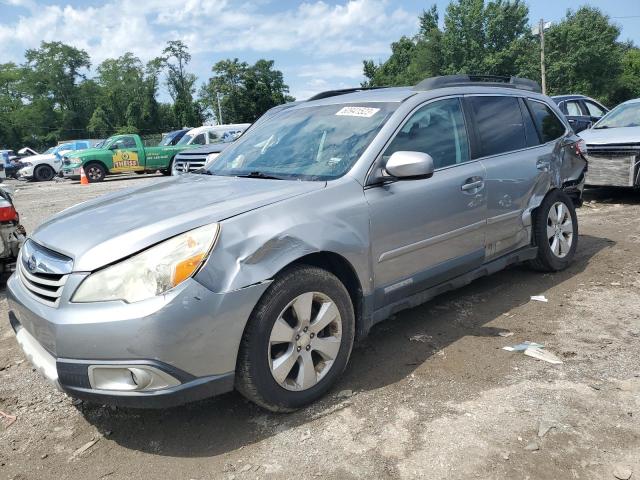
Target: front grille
x=185 y=165
x=614 y=164
x=44 y=287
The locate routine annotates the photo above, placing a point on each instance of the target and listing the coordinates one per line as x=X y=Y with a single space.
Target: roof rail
x=484 y=80
x=344 y=91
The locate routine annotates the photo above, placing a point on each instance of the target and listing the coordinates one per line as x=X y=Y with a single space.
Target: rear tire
x=289 y=358
x=555 y=230
x=95 y=172
x=43 y=173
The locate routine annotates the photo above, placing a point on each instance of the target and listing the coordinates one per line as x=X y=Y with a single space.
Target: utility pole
x=543 y=69
x=219 y=109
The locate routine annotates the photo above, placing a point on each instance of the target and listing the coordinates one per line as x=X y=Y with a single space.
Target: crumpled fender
x=253 y=247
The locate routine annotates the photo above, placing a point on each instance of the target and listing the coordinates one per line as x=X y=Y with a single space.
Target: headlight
x=27 y=164
x=151 y=272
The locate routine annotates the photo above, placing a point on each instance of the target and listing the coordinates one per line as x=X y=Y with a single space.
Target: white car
x=46 y=165
x=213 y=134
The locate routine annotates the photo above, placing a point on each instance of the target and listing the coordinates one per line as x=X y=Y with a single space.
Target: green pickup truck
x=120 y=154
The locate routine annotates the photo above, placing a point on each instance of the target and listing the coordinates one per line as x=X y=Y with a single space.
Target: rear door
x=516 y=152
x=593 y=110
x=577 y=114
x=426 y=231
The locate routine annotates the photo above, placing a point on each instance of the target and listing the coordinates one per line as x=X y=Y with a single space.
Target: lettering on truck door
x=125 y=156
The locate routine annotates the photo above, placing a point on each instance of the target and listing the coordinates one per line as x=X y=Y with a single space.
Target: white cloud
x=335 y=37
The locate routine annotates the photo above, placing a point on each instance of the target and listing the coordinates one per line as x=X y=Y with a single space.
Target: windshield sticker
x=366 y=112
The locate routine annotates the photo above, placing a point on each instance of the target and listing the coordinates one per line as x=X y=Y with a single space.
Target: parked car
x=213 y=134
x=120 y=154
x=12 y=233
x=317 y=224
x=613 y=147
x=47 y=165
x=172 y=138
x=581 y=111
x=194 y=159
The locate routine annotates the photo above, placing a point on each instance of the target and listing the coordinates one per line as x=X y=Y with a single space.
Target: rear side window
x=573 y=108
x=499 y=124
x=594 y=110
x=548 y=124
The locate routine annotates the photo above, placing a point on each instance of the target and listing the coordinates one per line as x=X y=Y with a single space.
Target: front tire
x=555 y=232
x=95 y=172
x=298 y=340
x=43 y=173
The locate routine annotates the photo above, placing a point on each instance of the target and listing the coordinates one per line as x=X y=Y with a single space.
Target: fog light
x=129 y=378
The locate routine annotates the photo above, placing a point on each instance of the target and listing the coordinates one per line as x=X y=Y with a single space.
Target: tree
x=491 y=38
x=246 y=91
x=583 y=54
x=180 y=83
x=54 y=71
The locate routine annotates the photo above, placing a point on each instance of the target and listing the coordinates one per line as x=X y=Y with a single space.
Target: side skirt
x=528 y=253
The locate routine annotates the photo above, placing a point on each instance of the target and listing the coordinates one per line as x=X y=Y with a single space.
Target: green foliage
x=181 y=84
x=583 y=54
x=245 y=91
x=493 y=37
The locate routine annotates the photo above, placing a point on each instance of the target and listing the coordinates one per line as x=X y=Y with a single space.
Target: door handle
x=472 y=184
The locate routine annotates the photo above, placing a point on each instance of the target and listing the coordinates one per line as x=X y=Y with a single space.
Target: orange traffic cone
x=83 y=177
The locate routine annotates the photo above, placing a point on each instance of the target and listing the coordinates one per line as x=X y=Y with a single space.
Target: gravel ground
x=429 y=394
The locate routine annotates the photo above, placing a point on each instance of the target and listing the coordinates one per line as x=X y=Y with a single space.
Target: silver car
x=311 y=228
x=613 y=147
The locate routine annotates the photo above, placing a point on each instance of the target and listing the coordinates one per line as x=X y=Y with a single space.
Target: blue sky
x=318 y=45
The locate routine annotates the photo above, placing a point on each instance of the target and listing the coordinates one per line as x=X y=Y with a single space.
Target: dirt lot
x=430 y=394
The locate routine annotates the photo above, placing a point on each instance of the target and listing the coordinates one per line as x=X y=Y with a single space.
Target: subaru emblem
x=32 y=263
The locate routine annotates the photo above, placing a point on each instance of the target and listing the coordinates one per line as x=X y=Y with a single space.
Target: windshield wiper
x=260 y=175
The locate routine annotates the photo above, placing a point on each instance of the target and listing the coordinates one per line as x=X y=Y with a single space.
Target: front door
x=426 y=231
x=125 y=156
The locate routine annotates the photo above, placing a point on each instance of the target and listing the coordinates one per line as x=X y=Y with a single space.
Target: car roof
x=633 y=100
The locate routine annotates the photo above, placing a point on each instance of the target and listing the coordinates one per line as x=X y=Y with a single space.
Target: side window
x=200 y=139
x=125 y=142
x=529 y=127
x=213 y=137
x=499 y=123
x=548 y=125
x=573 y=108
x=437 y=129
x=594 y=110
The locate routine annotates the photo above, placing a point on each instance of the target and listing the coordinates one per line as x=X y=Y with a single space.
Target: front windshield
x=166 y=141
x=64 y=146
x=312 y=143
x=625 y=115
x=184 y=140
x=49 y=151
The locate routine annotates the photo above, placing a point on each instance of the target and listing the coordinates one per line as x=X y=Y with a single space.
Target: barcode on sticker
x=358 y=111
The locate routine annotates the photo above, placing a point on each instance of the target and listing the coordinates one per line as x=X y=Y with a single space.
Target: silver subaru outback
x=314 y=226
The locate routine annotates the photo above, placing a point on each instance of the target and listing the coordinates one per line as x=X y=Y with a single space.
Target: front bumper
x=25 y=172
x=71 y=172
x=189 y=333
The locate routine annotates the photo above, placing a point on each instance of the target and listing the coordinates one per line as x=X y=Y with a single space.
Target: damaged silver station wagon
x=315 y=225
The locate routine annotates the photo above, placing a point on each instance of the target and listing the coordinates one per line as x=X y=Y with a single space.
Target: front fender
x=255 y=246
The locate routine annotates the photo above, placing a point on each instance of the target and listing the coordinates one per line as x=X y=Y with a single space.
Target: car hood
x=40 y=158
x=603 y=136
x=106 y=229
x=87 y=152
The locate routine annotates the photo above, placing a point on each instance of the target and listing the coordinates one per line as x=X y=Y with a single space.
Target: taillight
x=7 y=212
x=581 y=147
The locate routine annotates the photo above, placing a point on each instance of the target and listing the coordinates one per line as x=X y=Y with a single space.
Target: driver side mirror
x=410 y=165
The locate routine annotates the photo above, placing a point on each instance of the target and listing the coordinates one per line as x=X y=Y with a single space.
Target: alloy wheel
x=305 y=340
x=559 y=229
